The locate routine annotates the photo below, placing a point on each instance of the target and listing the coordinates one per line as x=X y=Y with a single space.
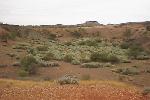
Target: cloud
x=73 y=11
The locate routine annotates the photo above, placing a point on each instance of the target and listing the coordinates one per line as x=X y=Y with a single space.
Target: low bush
x=29 y=64
x=68 y=58
x=142 y=57
x=135 y=50
x=68 y=79
x=48 y=64
x=52 y=36
x=75 y=62
x=104 y=57
x=96 y=65
x=148 y=27
x=88 y=43
x=49 y=56
x=146 y=91
x=127 y=71
x=23 y=73
x=12 y=36
x=42 y=48
x=91 y=65
x=125 y=45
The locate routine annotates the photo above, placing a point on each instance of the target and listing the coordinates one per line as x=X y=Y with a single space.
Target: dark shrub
x=148 y=28
x=42 y=48
x=104 y=57
x=68 y=58
x=76 y=34
x=127 y=71
x=52 y=36
x=89 y=43
x=29 y=64
x=135 y=50
x=48 y=56
x=23 y=73
x=146 y=91
x=125 y=45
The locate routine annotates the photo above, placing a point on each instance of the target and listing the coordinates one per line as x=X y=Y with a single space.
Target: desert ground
x=110 y=62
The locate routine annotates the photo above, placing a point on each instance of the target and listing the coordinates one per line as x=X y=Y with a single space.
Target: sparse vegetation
x=104 y=57
x=146 y=91
x=52 y=36
x=49 y=56
x=68 y=79
x=76 y=34
x=68 y=58
x=29 y=64
x=127 y=71
x=42 y=48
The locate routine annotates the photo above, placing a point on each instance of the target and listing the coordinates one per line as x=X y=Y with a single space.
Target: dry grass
x=86 y=90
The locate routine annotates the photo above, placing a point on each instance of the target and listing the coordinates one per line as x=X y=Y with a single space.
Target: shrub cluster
x=127 y=71
x=68 y=58
x=28 y=65
x=42 y=48
x=68 y=79
x=104 y=57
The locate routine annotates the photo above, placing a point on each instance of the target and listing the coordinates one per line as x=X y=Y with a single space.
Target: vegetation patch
x=104 y=57
x=29 y=64
x=68 y=79
x=127 y=71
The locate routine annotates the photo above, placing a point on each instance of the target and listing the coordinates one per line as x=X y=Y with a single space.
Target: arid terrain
x=110 y=62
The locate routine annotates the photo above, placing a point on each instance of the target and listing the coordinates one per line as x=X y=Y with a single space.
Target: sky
x=40 y=12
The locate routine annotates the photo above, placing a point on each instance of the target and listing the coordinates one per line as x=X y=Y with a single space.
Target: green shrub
x=68 y=58
x=23 y=73
x=96 y=56
x=142 y=57
x=125 y=45
x=48 y=56
x=135 y=50
x=68 y=43
x=42 y=48
x=68 y=79
x=31 y=51
x=146 y=91
x=12 y=36
x=28 y=64
x=148 y=27
x=75 y=62
x=52 y=36
x=48 y=64
x=88 y=43
x=33 y=69
x=127 y=71
x=104 y=57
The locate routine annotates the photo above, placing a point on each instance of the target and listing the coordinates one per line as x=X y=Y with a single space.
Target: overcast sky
x=73 y=11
